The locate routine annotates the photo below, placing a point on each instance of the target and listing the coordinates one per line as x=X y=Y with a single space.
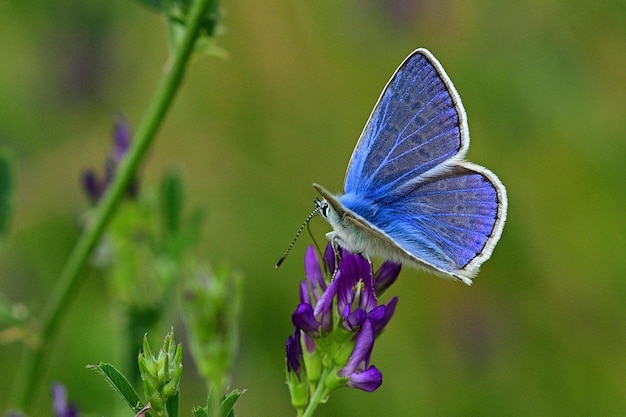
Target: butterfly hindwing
x=449 y=222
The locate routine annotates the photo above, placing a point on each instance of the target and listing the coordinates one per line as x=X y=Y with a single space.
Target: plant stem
x=35 y=356
x=319 y=394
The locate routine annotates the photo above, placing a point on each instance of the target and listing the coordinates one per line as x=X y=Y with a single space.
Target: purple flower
x=385 y=276
x=312 y=289
x=294 y=353
x=355 y=369
x=121 y=139
x=368 y=380
x=353 y=288
x=60 y=404
x=94 y=185
x=304 y=319
x=340 y=316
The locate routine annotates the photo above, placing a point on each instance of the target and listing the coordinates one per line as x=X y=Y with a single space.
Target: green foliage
x=120 y=384
x=225 y=408
x=211 y=306
x=161 y=375
x=177 y=13
x=179 y=233
x=9 y=313
x=171 y=199
x=147 y=252
x=172 y=405
x=200 y=412
x=7 y=190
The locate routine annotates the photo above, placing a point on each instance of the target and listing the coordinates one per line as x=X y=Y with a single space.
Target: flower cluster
x=161 y=373
x=336 y=323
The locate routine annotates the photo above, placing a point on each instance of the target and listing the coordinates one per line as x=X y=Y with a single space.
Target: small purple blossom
x=368 y=380
x=93 y=184
x=294 y=353
x=360 y=356
x=348 y=298
x=304 y=319
x=386 y=275
x=59 y=402
x=121 y=139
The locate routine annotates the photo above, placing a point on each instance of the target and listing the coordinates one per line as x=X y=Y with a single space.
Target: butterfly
x=409 y=195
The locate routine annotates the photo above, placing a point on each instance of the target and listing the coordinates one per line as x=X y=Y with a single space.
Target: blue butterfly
x=409 y=196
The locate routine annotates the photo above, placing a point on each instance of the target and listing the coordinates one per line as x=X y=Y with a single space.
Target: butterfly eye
x=321 y=206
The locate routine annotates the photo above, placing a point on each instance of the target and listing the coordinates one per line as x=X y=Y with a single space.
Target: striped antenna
x=318 y=206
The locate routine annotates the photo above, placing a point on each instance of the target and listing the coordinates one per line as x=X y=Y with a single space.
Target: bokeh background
x=542 y=332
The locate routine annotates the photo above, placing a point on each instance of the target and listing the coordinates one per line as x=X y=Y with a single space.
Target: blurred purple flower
x=59 y=402
x=95 y=186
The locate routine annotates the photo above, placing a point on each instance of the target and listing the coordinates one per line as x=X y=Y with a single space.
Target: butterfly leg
x=369 y=261
x=336 y=243
x=371 y=264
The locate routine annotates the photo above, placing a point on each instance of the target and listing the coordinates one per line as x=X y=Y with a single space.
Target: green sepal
x=226 y=407
x=312 y=365
x=298 y=389
x=172 y=405
x=120 y=384
x=334 y=381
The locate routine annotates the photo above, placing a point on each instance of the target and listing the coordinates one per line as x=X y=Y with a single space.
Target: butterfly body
x=357 y=234
x=409 y=195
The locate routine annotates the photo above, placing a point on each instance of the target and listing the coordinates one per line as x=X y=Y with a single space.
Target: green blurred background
x=543 y=330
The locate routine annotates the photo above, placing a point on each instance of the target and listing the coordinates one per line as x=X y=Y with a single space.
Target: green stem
x=319 y=394
x=35 y=356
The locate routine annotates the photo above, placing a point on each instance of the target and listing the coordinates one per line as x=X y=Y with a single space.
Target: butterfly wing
x=417 y=125
x=409 y=195
x=450 y=222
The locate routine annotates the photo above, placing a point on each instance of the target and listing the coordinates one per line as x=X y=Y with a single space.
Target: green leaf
x=119 y=383
x=172 y=202
x=200 y=412
x=226 y=407
x=172 y=405
x=7 y=189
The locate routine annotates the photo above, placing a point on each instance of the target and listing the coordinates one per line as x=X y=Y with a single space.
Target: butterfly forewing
x=417 y=125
